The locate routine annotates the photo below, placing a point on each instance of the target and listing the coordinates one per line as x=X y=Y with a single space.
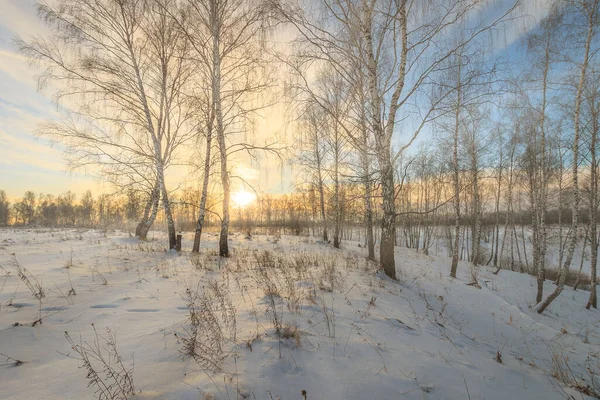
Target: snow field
x=282 y=315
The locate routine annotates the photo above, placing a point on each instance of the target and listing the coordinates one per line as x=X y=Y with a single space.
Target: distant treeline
x=294 y=213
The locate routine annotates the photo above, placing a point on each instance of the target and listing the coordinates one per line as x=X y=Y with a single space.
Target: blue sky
x=26 y=162
x=30 y=163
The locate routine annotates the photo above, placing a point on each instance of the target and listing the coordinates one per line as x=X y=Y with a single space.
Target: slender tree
x=397 y=64
x=226 y=36
x=123 y=70
x=583 y=19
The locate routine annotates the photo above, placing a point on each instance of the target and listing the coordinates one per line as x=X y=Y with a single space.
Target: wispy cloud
x=20 y=18
x=26 y=162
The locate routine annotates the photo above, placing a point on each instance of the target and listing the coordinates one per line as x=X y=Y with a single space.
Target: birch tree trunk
x=336 y=183
x=216 y=98
x=541 y=44
x=593 y=300
x=367 y=189
x=576 y=195
x=149 y=210
x=205 y=180
x=388 y=220
x=152 y=212
x=166 y=205
x=593 y=228
x=456 y=175
x=476 y=239
x=316 y=143
x=497 y=205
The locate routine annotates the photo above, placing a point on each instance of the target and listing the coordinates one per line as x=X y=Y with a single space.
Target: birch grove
x=120 y=68
x=398 y=123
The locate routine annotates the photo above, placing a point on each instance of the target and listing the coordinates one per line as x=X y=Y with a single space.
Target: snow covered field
x=281 y=316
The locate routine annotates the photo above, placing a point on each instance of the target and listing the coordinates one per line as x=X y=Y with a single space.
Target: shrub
x=104 y=366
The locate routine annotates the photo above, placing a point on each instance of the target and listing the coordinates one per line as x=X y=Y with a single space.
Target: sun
x=242 y=198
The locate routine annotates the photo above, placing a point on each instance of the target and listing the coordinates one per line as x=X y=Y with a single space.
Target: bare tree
x=227 y=38
x=458 y=109
x=583 y=20
x=209 y=117
x=475 y=141
x=312 y=155
x=150 y=212
x=123 y=69
x=542 y=47
x=467 y=85
x=498 y=176
x=591 y=117
x=335 y=97
x=366 y=173
x=4 y=207
x=391 y=42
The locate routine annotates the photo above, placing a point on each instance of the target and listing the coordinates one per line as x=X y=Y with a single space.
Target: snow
x=426 y=336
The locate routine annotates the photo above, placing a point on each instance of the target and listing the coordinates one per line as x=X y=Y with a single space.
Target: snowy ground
x=424 y=337
x=580 y=259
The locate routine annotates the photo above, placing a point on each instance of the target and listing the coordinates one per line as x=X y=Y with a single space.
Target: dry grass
x=291 y=332
x=105 y=369
x=562 y=372
x=213 y=325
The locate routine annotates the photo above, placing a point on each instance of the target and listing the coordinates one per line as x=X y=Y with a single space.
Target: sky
x=31 y=163
x=27 y=163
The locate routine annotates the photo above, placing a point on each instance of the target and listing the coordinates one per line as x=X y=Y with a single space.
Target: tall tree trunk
x=476 y=239
x=313 y=207
x=383 y=137
x=145 y=216
x=167 y=208
x=152 y=212
x=364 y=154
x=456 y=177
x=585 y=240
x=388 y=220
x=322 y=197
x=497 y=211
x=206 y=178
x=369 y=221
x=156 y=136
x=560 y=209
x=534 y=189
x=336 y=194
x=576 y=196
x=593 y=300
x=147 y=212
x=542 y=235
x=216 y=98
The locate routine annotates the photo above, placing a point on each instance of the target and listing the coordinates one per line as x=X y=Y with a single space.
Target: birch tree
x=312 y=156
x=392 y=42
x=591 y=117
x=467 y=85
x=582 y=21
x=542 y=46
x=4 y=207
x=120 y=69
x=499 y=169
x=475 y=140
x=208 y=112
x=227 y=37
x=362 y=167
x=334 y=93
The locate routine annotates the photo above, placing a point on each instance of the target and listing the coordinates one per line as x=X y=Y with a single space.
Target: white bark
x=591 y=28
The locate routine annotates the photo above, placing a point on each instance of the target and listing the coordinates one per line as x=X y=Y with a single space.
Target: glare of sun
x=242 y=198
